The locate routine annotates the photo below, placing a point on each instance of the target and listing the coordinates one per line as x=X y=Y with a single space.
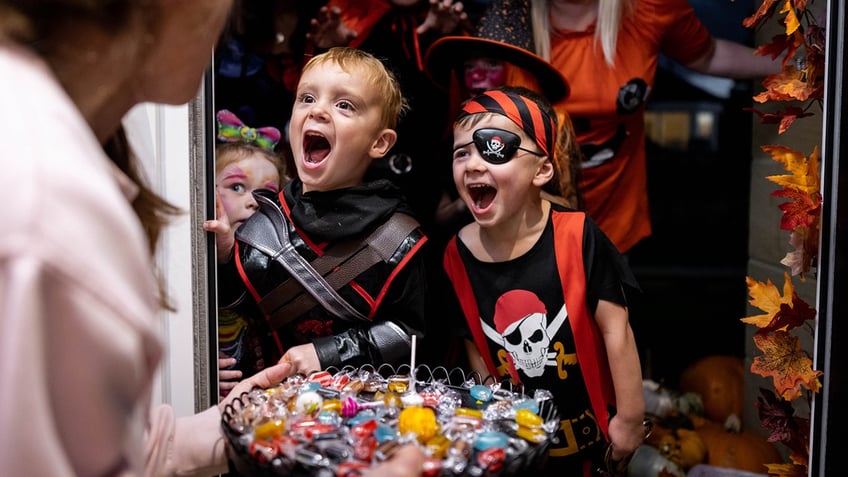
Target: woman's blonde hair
x=610 y=14
x=394 y=104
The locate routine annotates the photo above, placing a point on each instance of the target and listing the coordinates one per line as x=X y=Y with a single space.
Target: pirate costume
x=388 y=298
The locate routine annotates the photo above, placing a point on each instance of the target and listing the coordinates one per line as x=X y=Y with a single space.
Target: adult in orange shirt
x=608 y=50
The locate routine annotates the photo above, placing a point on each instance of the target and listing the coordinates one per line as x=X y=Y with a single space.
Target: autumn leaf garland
x=783 y=360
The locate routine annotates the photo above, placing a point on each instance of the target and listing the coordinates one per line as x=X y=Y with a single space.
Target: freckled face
x=482 y=74
x=236 y=182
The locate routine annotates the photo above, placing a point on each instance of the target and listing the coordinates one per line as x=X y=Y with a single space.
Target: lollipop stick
x=412 y=365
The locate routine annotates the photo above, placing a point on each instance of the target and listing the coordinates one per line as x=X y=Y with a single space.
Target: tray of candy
x=339 y=422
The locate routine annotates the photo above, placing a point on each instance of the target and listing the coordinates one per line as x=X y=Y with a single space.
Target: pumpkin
x=720 y=381
x=728 y=446
x=684 y=447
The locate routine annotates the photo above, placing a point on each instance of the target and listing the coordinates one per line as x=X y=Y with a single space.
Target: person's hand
x=225 y=234
x=270 y=376
x=407 y=461
x=329 y=30
x=227 y=378
x=444 y=17
x=625 y=436
x=303 y=359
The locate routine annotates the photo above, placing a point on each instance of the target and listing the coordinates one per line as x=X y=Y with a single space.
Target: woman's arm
x=735 y=60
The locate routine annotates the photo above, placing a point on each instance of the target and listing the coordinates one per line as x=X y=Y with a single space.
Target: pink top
x=79 y=342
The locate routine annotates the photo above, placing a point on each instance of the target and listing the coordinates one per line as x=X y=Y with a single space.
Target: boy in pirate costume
x=541 y=287
x=298 y=262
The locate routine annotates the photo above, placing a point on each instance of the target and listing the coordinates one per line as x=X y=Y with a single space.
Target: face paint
x=497 y=146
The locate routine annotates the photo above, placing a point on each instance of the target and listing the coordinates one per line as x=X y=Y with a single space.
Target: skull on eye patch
x=497 y=146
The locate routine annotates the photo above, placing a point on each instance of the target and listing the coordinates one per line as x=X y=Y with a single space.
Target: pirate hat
x=502 y=33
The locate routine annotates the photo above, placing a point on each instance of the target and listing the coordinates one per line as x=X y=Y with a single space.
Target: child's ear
x=544 y=174
x=383 y=143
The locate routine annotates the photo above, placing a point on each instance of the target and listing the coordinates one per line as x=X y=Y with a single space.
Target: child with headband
x=542 y=289
x=245 y=161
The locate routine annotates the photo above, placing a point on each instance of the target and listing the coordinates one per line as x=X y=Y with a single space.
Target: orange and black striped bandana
x=521 y=110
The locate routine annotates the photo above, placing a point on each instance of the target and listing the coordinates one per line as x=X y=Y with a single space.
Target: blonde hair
x=394 y=104
x=610 y=14
x=229 y=152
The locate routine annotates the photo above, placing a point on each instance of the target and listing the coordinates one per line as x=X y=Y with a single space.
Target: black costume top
x=392 y=294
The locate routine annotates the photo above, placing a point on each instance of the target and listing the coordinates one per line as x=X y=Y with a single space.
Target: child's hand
x=225 y=235
x=625 y=436
x=270 y=376
x=444 y=17
x=328 y=30
x=227 y=378
x=303 y=359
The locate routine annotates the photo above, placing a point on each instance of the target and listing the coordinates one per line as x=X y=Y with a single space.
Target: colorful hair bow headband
x=231 y=129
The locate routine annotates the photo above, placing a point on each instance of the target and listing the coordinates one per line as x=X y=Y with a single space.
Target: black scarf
x=327 y=216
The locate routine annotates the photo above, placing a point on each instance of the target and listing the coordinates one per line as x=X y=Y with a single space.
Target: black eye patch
x=497 y=146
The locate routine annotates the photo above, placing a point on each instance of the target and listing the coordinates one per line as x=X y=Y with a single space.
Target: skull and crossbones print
x=522 y=329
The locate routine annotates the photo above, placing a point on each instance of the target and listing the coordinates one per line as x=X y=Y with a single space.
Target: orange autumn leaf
x=766 y=297
x=791 y=19
x=786 y=363
x=804 y=175
x=791 y=84
x=786 y=470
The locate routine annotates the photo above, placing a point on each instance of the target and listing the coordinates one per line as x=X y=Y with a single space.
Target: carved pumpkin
x=727 y=446
x=720 y=381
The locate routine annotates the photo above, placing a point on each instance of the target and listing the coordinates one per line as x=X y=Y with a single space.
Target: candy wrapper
x=340 y=422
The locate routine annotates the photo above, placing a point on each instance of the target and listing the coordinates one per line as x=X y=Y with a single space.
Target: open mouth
x=316 y=148
x=481 y=195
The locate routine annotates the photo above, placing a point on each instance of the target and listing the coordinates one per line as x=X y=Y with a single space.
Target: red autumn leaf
x=777 y=46
x=786 y=363
x=785 y=117
x=778 y=417
x=803 y=211
x=766 y=297
x=791 y=316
